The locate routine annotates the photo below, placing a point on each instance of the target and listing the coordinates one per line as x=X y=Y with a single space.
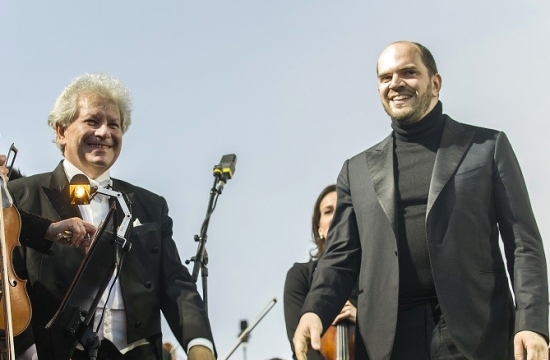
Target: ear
x=436 y=84
x=60 y=134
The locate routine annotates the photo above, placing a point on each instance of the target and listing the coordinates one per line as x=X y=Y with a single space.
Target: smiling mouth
x=99 y=146
x=400 y=97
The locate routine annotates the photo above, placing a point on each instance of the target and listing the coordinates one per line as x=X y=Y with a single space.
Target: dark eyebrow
x=406 y=68
x=409 y=68
x=382 y=75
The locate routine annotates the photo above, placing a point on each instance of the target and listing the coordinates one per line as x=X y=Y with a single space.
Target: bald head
x=425 y=55
x=408 y=88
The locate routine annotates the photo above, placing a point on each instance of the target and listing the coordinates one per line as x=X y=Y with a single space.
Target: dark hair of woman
x=319 y=241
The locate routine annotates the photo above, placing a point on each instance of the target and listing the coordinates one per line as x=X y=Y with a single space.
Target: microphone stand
x=244 y=326
x=246 y=332
x=201 y=258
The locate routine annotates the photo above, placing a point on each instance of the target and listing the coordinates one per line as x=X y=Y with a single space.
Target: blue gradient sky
x=290 y=87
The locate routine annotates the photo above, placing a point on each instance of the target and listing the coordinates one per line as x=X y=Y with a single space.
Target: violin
x=338 y=342
x=15 y=312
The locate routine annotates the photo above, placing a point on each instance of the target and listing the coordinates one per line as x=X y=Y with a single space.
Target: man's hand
x=74 y=231
x=199 y=352
x=309 y=330
x=531 y=343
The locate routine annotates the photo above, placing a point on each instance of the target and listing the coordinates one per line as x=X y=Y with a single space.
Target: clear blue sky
x=290 y=87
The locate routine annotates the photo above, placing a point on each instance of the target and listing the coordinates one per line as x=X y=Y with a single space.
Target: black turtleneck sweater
x=415 y=148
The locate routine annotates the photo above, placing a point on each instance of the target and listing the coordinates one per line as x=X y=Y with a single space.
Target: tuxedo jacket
x=477 y=192
x=152 y=277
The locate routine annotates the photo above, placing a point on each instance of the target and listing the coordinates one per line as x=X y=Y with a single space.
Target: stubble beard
x=415 y=113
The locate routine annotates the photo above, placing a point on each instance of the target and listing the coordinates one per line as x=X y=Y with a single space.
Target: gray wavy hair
x=107 y=87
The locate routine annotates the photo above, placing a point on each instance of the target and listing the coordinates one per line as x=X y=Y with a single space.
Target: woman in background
x=299 y=277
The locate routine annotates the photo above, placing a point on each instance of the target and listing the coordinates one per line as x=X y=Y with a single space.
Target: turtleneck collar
x=429 y=126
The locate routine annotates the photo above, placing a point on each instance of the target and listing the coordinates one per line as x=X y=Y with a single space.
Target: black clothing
x=297 y=284
x=108 y=351
x=152 y=276
x=415 y=150
x=33 y=231
x=477 y=201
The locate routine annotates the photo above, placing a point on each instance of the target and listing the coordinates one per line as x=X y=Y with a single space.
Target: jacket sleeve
x=180 y=301
x=337 y=271
x=522 y=241
x=33 y=232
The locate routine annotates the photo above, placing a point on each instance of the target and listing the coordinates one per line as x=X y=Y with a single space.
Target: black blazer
x=152 y=277
x=477 y=191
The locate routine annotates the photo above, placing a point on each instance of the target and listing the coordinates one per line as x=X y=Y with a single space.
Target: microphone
x=225 y=170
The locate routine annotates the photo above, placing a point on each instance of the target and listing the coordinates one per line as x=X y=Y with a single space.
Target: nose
x=102 y=131
x=396 y=81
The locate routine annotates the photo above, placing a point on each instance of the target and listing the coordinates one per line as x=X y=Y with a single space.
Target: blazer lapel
x=380 y=164
x=455 y=141
x=58 y=194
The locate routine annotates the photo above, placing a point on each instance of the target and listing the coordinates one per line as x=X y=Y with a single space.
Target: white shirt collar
x=71 y=170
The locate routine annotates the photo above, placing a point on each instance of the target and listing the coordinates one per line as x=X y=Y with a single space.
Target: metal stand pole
x=249 y=329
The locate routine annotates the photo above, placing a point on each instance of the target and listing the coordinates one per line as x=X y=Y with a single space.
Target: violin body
x=19 y=299
x=15 y=309
x=338 y=342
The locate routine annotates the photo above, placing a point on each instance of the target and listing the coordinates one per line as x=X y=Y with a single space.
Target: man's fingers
x=518 y=348
x=72 y=231
x=308 y=333
x=316 y=338
x=529 y=345
x=300 y=344
x=90 y=229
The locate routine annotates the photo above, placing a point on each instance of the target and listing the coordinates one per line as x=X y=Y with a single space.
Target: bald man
x=418 y=221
